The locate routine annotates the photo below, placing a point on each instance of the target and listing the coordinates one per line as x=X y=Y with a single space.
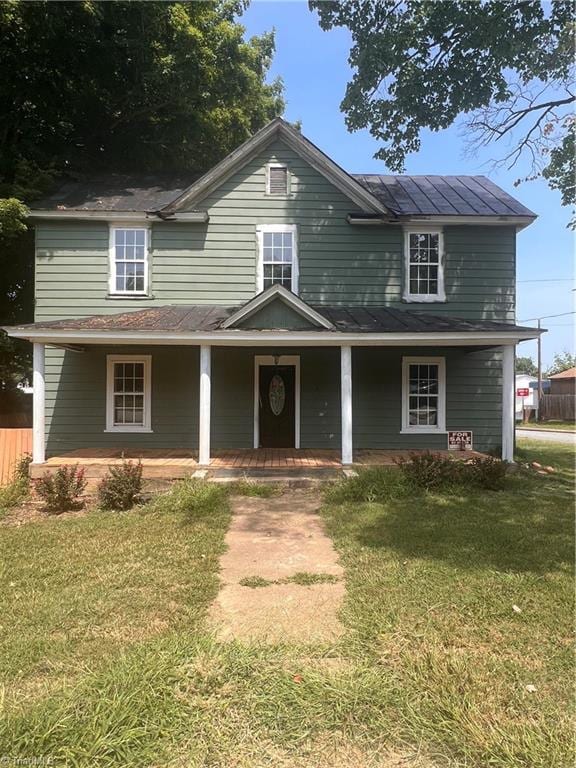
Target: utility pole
x=539 y=368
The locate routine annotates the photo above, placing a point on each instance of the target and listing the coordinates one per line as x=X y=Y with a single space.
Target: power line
x=549 y=280
x=545 y=317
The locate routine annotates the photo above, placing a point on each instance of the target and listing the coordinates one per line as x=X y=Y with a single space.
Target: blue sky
x=314 y=67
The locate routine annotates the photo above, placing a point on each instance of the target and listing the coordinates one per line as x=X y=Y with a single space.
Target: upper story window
x=423 y=394
x=424 y=270
x=129 y=261
x=277 y=179
x=278 y=257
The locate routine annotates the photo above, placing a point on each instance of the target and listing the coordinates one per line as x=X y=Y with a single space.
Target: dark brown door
x=277 y=406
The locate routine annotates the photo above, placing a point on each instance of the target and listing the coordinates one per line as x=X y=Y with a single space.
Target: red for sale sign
x=522 y=392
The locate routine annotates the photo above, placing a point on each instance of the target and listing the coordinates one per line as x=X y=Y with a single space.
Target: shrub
x=12 y=494
x=487 y=472
x=430 y=471
x=61 y=491
x=22 y=471
x=121 y=488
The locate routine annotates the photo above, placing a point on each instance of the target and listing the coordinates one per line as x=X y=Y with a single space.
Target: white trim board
x=282 y=360
x=199 y=217
x=281 y=293
x=227 y=338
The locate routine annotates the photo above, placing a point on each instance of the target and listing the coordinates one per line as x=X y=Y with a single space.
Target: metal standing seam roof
x=403 y=195
x=197 y=318
x=442 y=195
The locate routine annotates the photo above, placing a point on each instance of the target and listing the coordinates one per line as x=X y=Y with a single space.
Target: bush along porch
x=278 y=304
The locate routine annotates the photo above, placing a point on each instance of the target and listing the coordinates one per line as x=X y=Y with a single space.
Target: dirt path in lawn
x=281 y=580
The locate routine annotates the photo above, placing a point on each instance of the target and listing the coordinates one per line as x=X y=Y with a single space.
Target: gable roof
x=277 y=293
x=382 y=197
x=570 y=373
x=280 y=129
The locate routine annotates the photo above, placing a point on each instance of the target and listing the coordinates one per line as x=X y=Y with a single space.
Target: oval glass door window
x=277 y=394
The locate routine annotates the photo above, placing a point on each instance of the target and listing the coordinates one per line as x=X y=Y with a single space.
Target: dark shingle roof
x=116 y=192
x=442 y=195
x=179 y=318
x=403 y=195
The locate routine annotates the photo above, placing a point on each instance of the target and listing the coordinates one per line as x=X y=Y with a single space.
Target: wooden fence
x=14 y=443
x=557 y=408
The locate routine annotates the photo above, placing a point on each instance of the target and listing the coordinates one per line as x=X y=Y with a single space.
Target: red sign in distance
x=522 y=392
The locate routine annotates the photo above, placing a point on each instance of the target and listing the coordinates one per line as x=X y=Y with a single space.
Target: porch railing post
x=205 y=393
x=508 y=393
x=346 y=403
x=38 y=405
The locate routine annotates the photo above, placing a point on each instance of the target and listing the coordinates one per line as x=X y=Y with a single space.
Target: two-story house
x=277 y=301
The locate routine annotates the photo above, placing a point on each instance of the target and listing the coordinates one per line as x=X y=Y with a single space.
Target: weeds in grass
x=255 y=581
x=193 y=499
x=251 y=488
x=371 y=485
x=13 y=494
x=303 y=578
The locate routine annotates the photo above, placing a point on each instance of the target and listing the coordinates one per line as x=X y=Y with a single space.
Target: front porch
x=173 y=464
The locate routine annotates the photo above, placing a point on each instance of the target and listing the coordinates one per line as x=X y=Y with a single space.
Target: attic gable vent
x=277 y=182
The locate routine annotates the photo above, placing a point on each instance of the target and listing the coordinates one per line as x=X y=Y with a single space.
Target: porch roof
x=208 y=323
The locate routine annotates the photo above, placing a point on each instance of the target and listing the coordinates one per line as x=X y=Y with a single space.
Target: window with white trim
x=129 y=261
x=128 y=403
x=424 y=273
x=277 y=179
x=278 y=259
x=423 y=394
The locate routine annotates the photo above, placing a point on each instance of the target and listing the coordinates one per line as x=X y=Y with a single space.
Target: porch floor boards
x=176 y=463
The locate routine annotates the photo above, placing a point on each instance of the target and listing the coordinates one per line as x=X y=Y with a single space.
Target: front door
x=277 y=388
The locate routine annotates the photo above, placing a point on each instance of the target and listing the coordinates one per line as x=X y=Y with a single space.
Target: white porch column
x=346 y=402
x=38 y=406
x=205 y=392
x=508 y=402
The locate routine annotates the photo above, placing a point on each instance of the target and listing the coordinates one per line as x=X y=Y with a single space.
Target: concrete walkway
x=545 y=435
x=270 y=541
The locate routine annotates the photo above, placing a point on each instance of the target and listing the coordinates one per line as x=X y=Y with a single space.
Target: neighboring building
x=276 y=301
x=563 y=383
x=529 y=383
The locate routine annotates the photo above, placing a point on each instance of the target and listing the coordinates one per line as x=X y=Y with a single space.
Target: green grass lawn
x=565 y=426
x=106 y=660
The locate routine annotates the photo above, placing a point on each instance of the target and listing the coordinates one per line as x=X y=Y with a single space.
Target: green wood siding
x=216 y=262
x=76 y=398
x=278 y=315
x=473 y=397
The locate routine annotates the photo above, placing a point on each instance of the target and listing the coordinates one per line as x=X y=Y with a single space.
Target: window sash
x=424 y=276
x=128 y=393
x=423 y=394
x=129 y=261
x=278 y=260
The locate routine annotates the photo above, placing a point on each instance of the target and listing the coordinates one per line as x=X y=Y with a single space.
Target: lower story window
x=423 y=394
x=128 y=393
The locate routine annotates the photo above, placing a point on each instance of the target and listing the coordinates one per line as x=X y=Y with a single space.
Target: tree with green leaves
x=116 y=86
x=507 y=65
x=562 y=361
x=526 y=365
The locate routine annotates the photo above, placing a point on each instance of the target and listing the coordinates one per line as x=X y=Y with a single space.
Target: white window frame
x=408 y=428
x=440 y=296
x=276 y=360
x=260 y=230
x=288 y=182
x=112 y=260
x=110 y=425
